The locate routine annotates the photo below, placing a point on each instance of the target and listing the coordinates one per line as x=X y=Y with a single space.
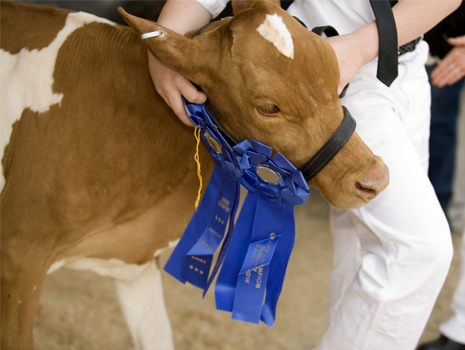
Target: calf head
x=269 y=78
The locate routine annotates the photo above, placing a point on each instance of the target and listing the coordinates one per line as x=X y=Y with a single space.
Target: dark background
x=149 y=9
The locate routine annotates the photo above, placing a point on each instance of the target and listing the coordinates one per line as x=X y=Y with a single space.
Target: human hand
x=171 y=85
x=452 y=68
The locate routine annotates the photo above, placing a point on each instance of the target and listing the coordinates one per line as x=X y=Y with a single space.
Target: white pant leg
x=392 y=255
x=454 y=328
x=346 y=260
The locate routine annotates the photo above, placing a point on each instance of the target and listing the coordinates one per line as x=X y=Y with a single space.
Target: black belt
x=409 y=47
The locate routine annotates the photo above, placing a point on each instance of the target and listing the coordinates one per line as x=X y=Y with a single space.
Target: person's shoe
x=443 y=343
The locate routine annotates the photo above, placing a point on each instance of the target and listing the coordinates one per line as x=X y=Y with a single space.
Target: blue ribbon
x=264 y=237
x=256 y=251
x=195 y=228
x=226 y=243
x=199 y=259
x=225 y=288
x=253 y=276
x=192 y=258
x=278 y=267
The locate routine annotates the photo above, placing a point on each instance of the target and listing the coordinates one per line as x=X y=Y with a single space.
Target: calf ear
x=239 y=5
x=171 y=48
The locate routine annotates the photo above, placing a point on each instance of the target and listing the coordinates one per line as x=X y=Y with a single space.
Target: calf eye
x=268 y=109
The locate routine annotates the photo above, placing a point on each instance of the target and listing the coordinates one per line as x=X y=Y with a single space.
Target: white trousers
x=454 y=327
x=391 y=257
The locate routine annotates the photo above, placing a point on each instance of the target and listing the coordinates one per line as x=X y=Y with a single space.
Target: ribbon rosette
x=258 y=255
x=256 y=251
x=192 y=258
x=275 y=178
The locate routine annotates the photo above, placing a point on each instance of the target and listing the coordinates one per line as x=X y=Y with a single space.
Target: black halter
x=324 y=155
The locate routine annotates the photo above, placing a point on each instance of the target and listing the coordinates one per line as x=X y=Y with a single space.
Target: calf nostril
x=365 y=191
x=373 y=183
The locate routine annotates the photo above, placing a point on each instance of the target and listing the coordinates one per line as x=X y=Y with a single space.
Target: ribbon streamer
x=193 y=256
x=199 y=259
x=195 y=229
x=257 y=259
x=253 y=277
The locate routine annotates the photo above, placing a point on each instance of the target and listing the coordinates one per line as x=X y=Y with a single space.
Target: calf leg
x=144 y=310
x=22 y=276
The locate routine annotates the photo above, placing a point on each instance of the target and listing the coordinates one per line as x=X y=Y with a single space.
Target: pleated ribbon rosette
x=256 y=249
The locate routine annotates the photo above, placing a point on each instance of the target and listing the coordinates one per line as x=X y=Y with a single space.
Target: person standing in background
x=447 y=46
x=446 y=69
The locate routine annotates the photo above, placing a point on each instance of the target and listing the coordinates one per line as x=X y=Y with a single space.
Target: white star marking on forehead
x=275 y=31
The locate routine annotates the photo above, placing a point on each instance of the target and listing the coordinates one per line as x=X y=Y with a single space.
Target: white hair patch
x=26 y=78
x=275 y=31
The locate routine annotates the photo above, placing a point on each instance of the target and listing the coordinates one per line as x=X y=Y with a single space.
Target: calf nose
x=374 y=182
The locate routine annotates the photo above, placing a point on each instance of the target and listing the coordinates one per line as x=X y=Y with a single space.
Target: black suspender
x=388 y=47
x=387 y=58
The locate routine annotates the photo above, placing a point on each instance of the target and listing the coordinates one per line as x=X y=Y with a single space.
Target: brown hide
x=108 y=173
x=33 y=36
x=105 y=160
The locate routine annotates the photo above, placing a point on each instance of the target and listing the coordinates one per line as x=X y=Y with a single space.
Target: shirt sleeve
x=214 y=6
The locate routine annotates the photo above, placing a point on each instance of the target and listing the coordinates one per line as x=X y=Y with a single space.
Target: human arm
x=452 y=68
x=181 y=16
x=413 y=18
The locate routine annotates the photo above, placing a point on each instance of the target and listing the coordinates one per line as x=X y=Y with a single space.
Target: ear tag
x=151 y=34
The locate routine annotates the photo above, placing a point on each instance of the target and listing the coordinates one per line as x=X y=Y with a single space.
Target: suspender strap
x=387 y=58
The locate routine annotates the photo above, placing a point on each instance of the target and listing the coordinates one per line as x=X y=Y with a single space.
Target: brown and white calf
x=97 y=170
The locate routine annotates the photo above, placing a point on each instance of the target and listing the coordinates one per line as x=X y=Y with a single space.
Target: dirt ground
x=79 y=310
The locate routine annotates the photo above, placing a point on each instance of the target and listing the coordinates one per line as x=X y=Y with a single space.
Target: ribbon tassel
x=197 y=160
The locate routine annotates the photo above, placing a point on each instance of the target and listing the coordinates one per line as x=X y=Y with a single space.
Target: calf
x=98 y=172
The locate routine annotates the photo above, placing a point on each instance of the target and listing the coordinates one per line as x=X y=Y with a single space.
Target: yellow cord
x=197 y=160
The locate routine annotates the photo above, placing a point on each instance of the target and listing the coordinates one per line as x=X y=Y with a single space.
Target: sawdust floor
x=79 y=310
